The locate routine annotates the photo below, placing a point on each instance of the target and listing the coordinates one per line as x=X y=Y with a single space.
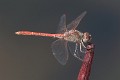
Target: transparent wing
x=62 y=24
x=60 y=51
x=74 y=49
x=75 y=22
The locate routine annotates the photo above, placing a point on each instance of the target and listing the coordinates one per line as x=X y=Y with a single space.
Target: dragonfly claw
x=78 y=57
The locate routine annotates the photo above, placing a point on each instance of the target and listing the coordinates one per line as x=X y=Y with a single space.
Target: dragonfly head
x=86 y=37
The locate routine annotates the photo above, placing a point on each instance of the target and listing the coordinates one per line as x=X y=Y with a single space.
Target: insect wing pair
x=61 y=47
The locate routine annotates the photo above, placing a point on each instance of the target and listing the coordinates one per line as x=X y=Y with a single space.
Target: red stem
x=85 y=69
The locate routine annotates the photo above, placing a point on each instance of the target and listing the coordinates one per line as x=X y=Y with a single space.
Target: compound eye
x=86 y=37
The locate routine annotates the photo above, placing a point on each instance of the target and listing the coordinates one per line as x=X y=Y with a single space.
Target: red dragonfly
x=68 y=39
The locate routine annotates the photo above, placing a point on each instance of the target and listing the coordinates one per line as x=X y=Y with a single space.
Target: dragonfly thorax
x=73 y=36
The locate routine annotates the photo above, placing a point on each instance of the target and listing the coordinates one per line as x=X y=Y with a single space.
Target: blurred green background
x=30 y=58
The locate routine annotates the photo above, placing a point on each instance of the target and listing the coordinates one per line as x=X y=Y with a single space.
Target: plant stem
x=85 y=69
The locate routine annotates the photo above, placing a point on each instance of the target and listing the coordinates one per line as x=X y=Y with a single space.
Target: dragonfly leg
x=76 y=52
x=83 y=44
x=81 y=48
x=78 y=57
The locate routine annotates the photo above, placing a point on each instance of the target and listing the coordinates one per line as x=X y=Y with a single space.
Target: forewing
x=62 y=24
x=74 y=23
x=60 y=51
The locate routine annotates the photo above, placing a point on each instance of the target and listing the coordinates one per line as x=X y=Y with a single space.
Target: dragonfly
x=68 y=39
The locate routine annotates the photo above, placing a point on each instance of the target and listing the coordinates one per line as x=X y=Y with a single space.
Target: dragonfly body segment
x=73 y=36
x=30 y=33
